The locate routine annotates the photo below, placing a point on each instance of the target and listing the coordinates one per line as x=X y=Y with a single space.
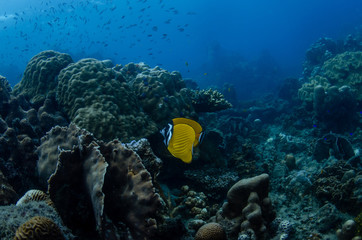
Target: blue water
x=212 y=42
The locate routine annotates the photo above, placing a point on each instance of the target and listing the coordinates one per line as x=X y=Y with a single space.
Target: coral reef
x=334 y=91
x=53 y=143
x=21 y=128
x=209 y=101
x=336 y=183
x=248 y=208
x=106 y=182
x=214 y=181
x=100 y=100
x=7 y=193
x=333 y=145
x=40 y=76
x=34 y=195
x=82 y=169
x=39 y=228
x=211 y=231
x=12 y=217
x=161 y=94
x=348 y=230
x=130 y=195
x=318 y=53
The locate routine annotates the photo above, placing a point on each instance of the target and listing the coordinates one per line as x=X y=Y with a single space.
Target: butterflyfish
x=181 y=136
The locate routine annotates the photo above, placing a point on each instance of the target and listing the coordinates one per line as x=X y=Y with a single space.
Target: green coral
x=343 y=69
x=40 y=76
x=99 y=99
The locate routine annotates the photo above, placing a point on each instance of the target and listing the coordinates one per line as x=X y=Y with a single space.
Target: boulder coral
x=40 y=76
x=211 y=231
x=99 y=99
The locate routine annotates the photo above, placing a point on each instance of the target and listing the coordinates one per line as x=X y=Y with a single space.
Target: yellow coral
x=39 y=228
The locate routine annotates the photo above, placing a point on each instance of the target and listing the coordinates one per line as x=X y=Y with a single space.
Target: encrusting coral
x=39 y=228
x=40 y=76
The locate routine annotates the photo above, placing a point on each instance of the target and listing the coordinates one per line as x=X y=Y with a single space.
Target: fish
x=181 y=136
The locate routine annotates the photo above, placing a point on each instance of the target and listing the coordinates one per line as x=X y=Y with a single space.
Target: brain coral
x=39 y=228
x=343 y=69
x=99 y=99
x=40 y=75
x=211 y=231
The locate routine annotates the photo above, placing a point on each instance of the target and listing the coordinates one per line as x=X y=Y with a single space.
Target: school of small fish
x=90 y=26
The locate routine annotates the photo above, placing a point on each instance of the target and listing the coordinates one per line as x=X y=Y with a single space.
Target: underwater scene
x=180 y=120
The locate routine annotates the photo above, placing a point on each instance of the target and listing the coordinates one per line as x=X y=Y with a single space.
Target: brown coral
x=211 y=231
x=39 y=228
